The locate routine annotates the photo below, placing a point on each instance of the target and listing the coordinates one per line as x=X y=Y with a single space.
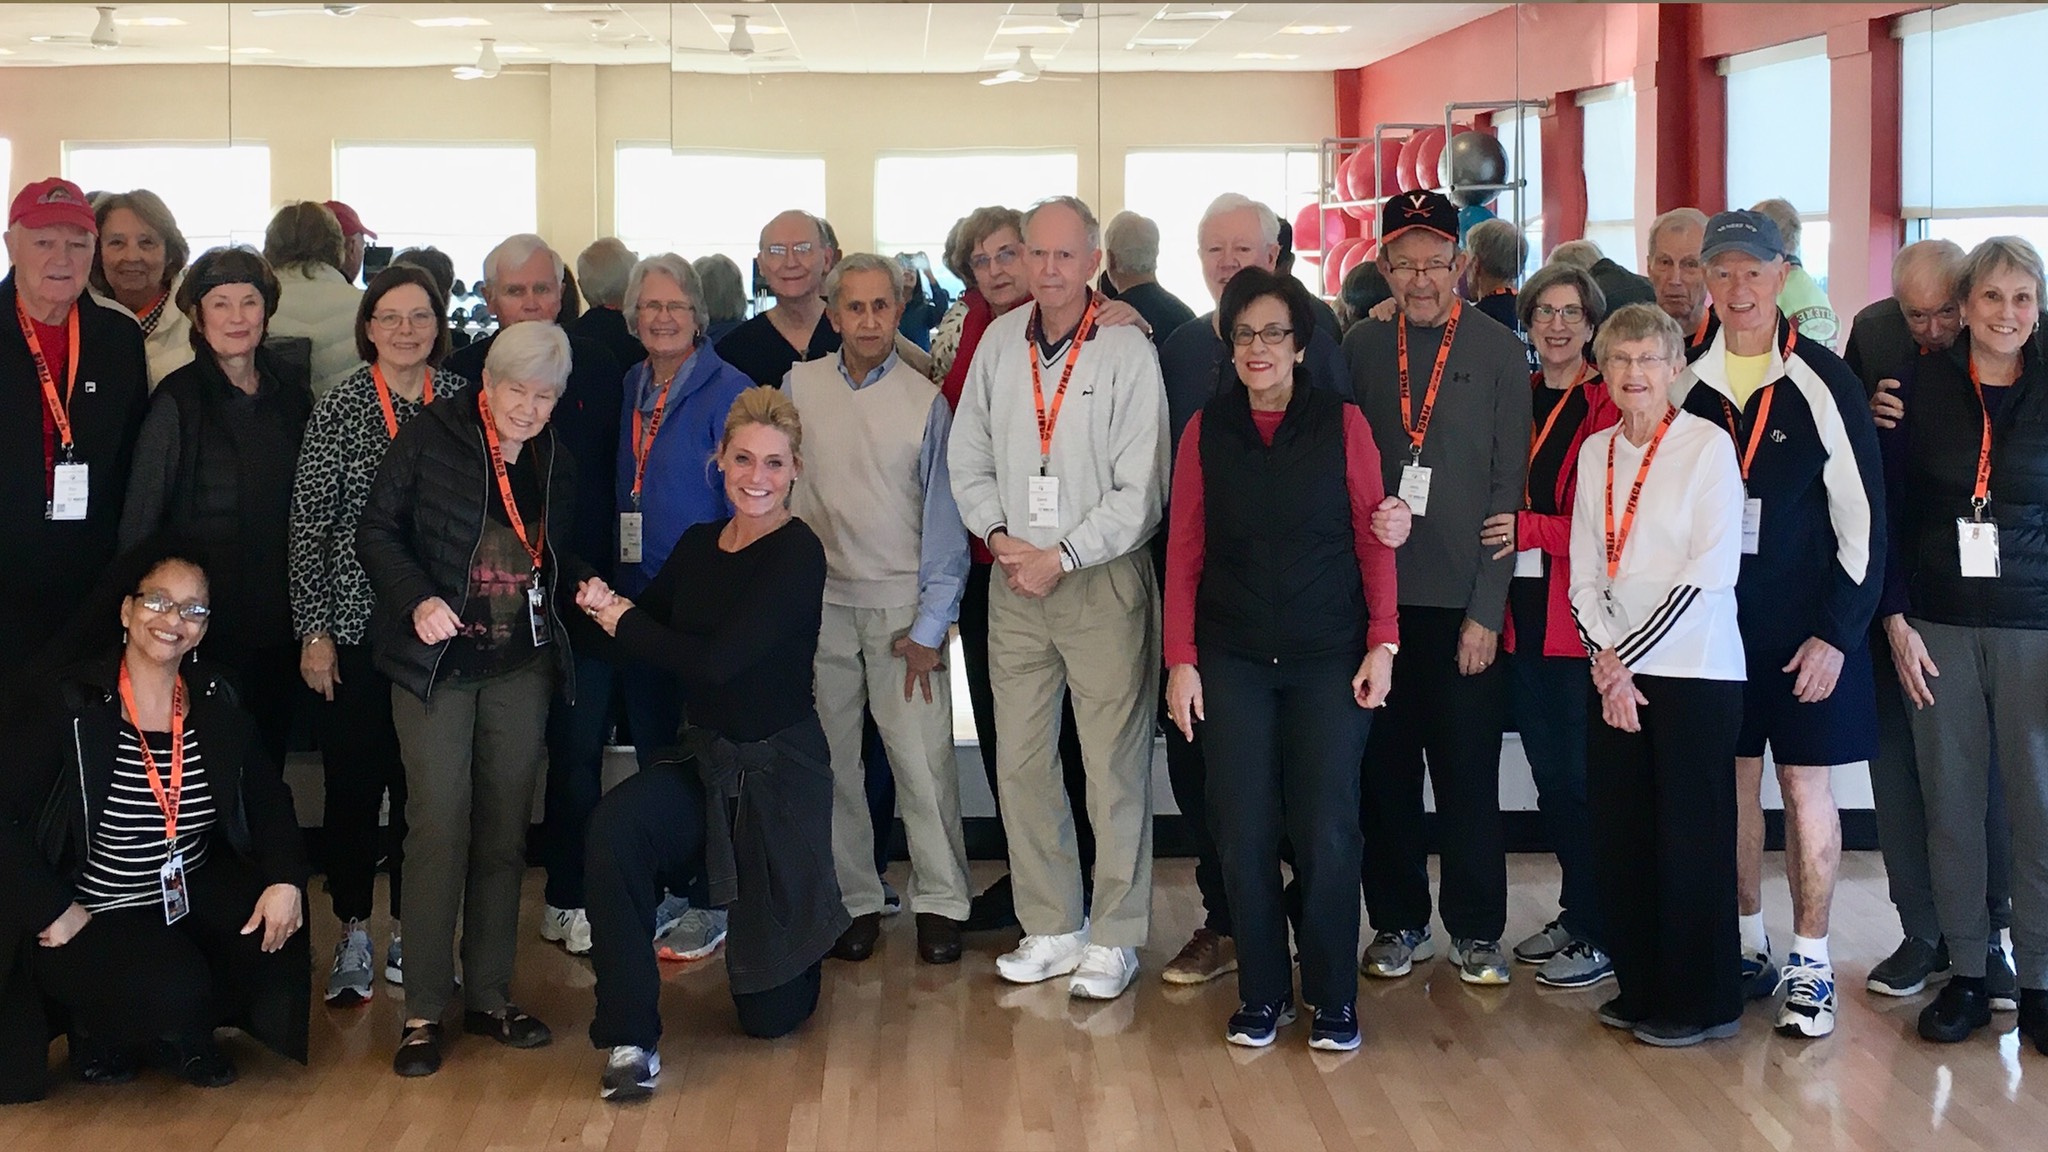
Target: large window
x=1610 y=159
x=1521 y=137
x=1967 y=175
x=698 y=203
x=1770 y=95
x=218 y=193
x=460 y=198
x=1174 y=188
x=919 y=196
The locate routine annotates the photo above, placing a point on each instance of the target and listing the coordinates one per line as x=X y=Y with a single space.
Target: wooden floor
x=903 y=1056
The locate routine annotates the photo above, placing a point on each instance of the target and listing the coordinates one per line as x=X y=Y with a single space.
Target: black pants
x=646 y=834
x=1284 y=743
x=359 y=753
x=1547 y=697
x=268 y=686
x=1456 y=722
x=1663 y=809
x=127 y=976
x=981 y=698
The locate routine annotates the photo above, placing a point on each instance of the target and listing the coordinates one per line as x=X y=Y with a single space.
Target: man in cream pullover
x=1059 y=461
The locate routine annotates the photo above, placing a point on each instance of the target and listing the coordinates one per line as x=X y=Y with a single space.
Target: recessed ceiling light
x=452 y=22
x=1033 y=30
x=148 y=21
x=6 y=51
x=1315 y=29
x=1198 y=14
x=1269 y=55
x=1161 y=42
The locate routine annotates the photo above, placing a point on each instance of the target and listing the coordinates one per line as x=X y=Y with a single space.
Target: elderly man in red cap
x=74 y=384
x=353 y=234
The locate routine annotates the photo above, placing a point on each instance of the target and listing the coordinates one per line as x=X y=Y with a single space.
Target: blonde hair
x=766 y=406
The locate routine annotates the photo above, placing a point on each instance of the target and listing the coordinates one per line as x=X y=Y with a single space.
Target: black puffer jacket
x=425 y=520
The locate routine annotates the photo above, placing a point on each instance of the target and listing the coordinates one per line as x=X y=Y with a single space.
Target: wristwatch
x=1392 y=648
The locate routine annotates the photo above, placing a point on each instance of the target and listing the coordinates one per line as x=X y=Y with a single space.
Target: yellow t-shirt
x=1746 y=375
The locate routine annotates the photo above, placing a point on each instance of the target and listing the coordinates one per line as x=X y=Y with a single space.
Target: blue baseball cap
x=1744 y=231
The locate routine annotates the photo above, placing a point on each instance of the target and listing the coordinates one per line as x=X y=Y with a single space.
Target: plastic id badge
x=1415 y=488
x=1977 y=542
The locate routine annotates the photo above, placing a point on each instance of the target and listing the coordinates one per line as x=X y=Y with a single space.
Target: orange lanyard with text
x=1538 y=440
x=1050 y=418
x=167 y=797
x=643 y=448
x=60 y=407
x=1617 y=540
x=533 y=544
x=1982 y=495
x=1417 y=425
x=384 y=399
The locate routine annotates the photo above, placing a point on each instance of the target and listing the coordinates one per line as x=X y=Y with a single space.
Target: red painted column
x=1863 y=163
x=1681 y=116
x=1564 y=171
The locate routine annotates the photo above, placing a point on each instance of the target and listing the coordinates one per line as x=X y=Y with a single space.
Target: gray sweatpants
x=1988 y=699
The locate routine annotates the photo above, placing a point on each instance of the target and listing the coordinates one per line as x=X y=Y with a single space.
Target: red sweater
x=1187 y=541
x=1553 y=534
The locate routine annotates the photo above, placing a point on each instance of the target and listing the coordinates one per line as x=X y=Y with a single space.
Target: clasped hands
x=601 y=604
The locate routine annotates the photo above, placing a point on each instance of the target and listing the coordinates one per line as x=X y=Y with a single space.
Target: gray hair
x=1676 y=218
x=1942 y=258
x=1786 y=217
x=531 y=352
x=2000 y=254
x=666 y=264
x=1632 y=322
x=601 y=272
x=515 y=250
x=1577 y=253
x=1269 y=222
x=1498 y=248
x=1132 y=242
x=1079 y=208
x=864 y=262
x=725 y=292
x=1558 y=274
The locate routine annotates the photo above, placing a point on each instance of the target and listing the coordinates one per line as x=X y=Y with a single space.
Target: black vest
x=1945 y=430
x=1280 y=572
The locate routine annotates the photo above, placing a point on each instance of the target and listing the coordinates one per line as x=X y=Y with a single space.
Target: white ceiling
x=873 y=37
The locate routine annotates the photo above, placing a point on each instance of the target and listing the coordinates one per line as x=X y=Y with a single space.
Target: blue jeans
x=1547 y=697
x=576 y=740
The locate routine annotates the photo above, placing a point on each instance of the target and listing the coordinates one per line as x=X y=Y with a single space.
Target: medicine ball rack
x=1335 y=150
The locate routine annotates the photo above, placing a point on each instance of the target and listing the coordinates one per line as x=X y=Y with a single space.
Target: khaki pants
x=856 y=669
x=1098 y=636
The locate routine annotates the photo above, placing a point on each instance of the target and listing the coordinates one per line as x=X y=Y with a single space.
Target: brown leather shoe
x=1203 y=958
x=938 y=939
x=857 y=943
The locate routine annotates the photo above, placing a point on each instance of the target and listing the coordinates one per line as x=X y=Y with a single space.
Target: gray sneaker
x=1999 y=981
x=349 y=982
x=394 y=962
x=1480 y=961
x=1541 y=945
x=1576 y=965
x=629 y=1073
x=1394 y=954
x=669 y=913
x=697 y=934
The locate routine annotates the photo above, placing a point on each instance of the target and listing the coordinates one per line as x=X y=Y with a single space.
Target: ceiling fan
x=1025 y=70
x=105 y=35
x=322 y=10
x=739 y=44
x=489 y=67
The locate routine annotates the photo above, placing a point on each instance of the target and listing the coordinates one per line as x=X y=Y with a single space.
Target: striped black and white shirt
x=127 y=849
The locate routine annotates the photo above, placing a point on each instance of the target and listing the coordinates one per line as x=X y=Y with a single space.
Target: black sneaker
x=995 y=909
x=1253 y=1025
x=98 y=1062
x=1683 y=1034
x=2001 y=986
x=198 y=1061
x=508 y=1026
x=1617 y=1014
x=1913 y=965
x=2034 y=1017
x=1335 y=1029
x=1962 y=1008
x=630 y=1073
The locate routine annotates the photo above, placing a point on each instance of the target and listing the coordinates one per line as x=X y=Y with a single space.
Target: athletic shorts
x=1841 y=729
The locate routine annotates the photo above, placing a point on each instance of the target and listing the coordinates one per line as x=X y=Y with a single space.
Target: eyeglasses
x=1433 y=268
x=393 y=321
x=163 y=605
x=665 y=307
x=1619 y=365
x=1002 y=259
x=1572 y=313
x=780 y=250
x=1270 y=335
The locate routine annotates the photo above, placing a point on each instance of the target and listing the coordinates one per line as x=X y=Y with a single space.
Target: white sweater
x=1670 y=609
x=1109 y=448
x=317 y=303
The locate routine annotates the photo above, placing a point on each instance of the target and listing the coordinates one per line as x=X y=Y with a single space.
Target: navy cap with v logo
x=1419 y=209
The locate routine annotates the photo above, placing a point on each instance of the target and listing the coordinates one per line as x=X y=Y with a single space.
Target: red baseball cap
x=50 y=202
x=351 y=224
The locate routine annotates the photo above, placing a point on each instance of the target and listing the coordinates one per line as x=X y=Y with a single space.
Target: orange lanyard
x=1418 y=425
x=169 y=798
x=384 y=398
x=1700 y=333
x=1047 y=420
x=1756 y=430
x=533 y=545
x=642 y=449
x=1982 y=495
x=60 y=409
x=1616 y=541
x=1538 y=440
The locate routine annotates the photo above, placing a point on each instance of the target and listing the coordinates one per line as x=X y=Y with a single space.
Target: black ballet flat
x=508 y=1026
x=419 y=1051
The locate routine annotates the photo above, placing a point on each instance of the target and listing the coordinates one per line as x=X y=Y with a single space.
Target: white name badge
x=171 y=878
x=1529 y=562
x=68 y=492
x=1977 y=542
x=1415 y=488
x=1042 y=494
x=630 y=529
x=1752 y=524
x=537 y=617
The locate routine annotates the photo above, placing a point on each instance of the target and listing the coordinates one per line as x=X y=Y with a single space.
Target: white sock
x=1815 y=950
x=1753 y=938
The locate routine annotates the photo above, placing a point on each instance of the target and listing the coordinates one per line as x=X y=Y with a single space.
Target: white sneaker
x=629 y=1073
x=569 y=927
x=1043 y=957
x=1104 y=972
